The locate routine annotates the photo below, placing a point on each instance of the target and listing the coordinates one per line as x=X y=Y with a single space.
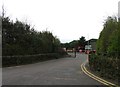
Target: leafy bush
x=109 y=39
x=26 y=59
x=106 y=66
x=107 y=59
x=18 y=38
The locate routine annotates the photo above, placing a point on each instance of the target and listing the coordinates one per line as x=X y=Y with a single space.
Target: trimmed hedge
x=27 y=59
x=106 y=66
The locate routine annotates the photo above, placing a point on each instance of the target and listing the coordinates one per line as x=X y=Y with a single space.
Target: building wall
x=93 y=44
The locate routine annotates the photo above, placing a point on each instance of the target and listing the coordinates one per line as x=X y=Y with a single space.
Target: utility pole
x=118 y=79
x=118 y=10
x=3 y=11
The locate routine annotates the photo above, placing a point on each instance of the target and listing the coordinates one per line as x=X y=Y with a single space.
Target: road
x=64 y=71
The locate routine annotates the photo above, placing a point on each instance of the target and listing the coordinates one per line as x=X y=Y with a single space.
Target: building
x=91 y=45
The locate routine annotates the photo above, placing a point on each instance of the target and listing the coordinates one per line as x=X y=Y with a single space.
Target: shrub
x=106 y=66
x=27 y=59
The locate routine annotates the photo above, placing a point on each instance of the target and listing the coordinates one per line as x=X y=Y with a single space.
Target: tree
x=114 y=48
x=20 y=39
x=82 y=42
x=104 y=39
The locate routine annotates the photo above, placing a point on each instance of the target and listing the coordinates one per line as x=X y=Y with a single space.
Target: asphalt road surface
x=64 y=71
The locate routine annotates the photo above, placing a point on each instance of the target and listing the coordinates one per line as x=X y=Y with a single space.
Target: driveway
x=63 y=71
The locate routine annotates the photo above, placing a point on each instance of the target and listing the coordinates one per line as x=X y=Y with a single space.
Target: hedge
x=27 y=59
x=105 y=66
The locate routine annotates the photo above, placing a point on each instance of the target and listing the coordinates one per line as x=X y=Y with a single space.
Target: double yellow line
x=97 y=78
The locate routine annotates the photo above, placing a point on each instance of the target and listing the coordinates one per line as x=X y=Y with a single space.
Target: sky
x=66 y=19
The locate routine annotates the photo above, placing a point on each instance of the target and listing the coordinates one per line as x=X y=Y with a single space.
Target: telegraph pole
x=118 y=10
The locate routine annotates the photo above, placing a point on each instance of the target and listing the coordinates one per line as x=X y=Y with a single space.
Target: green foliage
x=108 y=40
x=70 y=45
x=27 y=59
x=20 y=39
x=82 y=41
x=21 y=44
x=107 y=60
x=75 y=43
x=106 y=66
x=114 y=47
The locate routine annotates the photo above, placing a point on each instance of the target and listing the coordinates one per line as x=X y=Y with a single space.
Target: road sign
x=88 y=47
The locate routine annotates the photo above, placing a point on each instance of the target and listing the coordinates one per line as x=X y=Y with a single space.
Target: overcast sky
x=66 y=19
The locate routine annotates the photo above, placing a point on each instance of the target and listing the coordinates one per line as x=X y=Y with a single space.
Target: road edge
x=99 y=79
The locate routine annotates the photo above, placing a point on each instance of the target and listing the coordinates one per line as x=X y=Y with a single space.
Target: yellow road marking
x=92 y=76
x=95 y=77
x=98 y=77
